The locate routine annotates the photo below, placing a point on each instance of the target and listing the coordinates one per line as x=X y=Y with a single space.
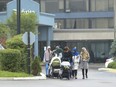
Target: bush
x=9 y=59
x=36 y=67
x=112 y=65
x=17 y=43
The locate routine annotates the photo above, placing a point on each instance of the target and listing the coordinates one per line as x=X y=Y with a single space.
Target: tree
x=28 y=22
x=36 y=67
x=4 y=30
x=113 y=49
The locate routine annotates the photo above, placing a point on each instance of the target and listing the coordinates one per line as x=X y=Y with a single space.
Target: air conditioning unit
x=68 y=11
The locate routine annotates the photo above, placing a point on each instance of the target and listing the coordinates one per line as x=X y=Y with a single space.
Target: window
x=111 y=23
x=42 y=6
x=111 y=5
x=61 y=5
x=101 y=5
x=93 y=5
x=3 y=4
x=76 y=5
x=52 y=6
x=60 y=23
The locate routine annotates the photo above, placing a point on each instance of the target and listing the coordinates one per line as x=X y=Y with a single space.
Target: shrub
x=112 y=65
x=17 y=43
x=36 y=67
x=9 y=59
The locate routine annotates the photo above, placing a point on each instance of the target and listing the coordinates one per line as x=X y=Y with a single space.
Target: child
x=75 y=58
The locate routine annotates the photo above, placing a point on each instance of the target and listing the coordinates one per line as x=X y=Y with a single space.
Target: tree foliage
x=28 y=22
x=113 y=49
x=4 y=31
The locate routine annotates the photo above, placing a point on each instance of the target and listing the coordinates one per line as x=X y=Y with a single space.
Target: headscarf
x=74 y=52
x=84 y=53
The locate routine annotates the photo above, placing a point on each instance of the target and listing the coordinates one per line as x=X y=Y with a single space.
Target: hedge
x=112 y=65
x=10 y=59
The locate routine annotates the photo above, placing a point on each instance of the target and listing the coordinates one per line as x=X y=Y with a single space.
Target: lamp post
x=18 y=16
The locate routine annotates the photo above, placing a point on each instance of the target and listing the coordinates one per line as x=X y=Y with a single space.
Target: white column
x=36 y=43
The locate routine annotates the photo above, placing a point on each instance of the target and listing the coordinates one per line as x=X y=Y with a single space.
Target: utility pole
x=18 y=16
x=28 y=48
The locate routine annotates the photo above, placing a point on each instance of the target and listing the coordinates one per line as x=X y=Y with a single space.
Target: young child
x=75 y=58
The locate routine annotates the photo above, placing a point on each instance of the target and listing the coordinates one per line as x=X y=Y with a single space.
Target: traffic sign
x=25 y=38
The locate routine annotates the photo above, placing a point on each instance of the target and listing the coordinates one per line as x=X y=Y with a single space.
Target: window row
x=84 y=23
x=53 y=6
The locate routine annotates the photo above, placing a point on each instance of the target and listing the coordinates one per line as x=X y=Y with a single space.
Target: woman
x=67 y=55
x=47 y=58
x=84 y=59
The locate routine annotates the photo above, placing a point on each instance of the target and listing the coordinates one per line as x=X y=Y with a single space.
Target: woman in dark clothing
x=67 y=55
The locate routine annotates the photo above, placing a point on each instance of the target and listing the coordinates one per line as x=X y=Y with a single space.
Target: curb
x=42 y=77
x=107 y=69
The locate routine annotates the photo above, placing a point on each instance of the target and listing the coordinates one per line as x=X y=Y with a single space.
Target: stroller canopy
x=55 y=61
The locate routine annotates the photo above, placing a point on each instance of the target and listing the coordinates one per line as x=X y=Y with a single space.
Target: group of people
x=75 y=59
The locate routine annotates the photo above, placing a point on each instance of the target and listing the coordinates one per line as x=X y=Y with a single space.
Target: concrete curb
x=107 y=69
x=42 y=77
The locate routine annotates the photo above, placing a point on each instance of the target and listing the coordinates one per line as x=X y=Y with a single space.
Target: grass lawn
x=13 y=74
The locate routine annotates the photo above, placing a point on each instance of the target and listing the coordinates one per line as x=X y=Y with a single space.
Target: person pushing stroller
x=66 y=63
x=47 y=58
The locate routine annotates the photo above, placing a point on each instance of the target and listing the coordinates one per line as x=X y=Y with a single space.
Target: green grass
x=13 y=74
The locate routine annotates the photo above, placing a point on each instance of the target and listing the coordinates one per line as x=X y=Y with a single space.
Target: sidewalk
x=101 y=67
x=107 y=70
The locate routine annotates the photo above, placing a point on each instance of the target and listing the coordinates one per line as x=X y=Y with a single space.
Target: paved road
x=96 y=79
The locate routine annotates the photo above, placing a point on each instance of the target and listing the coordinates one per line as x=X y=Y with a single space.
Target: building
x=79 y=23
x=45 y=28
x=88 y=23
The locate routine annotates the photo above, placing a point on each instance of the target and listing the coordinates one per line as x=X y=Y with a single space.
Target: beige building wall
x=83 y=34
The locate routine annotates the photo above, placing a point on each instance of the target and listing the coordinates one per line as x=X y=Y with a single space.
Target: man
x=58 y=51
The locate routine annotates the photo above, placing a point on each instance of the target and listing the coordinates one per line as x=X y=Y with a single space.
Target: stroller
x=54 y=66
x=65 y=70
